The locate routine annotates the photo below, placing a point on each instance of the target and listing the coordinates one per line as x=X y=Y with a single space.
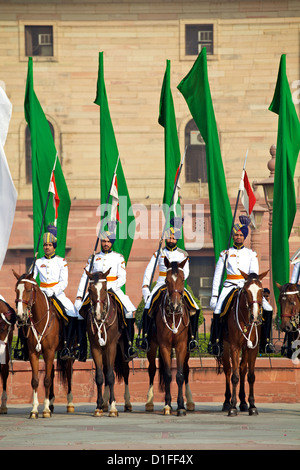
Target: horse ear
x=278 y=285
x=89 y=275
x=262 y=275
x=15 y=274
x=106 y=273
x=245 y=276
x=182 y=264
x=167 y=262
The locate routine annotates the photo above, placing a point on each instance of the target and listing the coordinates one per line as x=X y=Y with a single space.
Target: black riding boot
x=81 y=349
x=265 y=345
x=193 y=334
x=67 y=352
x=128 y=337
x=215 y=344
x=143 y=343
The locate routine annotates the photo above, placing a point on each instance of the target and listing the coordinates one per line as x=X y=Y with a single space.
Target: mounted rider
x=53 y=275
x=237 y=258
x=104 y=260
x=174 y=254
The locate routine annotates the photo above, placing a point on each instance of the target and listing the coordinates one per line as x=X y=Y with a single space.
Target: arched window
x=195 y=159
x=28 y=168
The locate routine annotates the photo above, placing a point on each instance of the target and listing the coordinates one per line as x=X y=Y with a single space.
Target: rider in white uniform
x=237 y=258
x=104 y=260
x=53 y=275
x=173 y=253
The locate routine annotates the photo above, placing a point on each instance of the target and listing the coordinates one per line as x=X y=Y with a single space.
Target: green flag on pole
x=195 y=89
x=108 y=159
x=44 y=158
x=172 y=151
x=284 y=199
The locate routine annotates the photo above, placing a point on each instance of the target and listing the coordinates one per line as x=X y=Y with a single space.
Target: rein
x=252 y=325
x=172 y=313
x=102 y=324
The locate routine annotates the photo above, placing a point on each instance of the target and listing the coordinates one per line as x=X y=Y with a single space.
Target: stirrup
x=142 y=343
x=65 y=354
x=192 y=345
x=214 y=349
x=131 y=354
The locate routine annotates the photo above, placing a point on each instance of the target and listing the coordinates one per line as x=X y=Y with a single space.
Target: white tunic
x=238 y=259
x=115 y=279
x=53 y=274
x=295 y=274
x=176 y=255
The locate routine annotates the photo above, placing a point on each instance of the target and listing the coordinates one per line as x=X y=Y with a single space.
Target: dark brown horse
x=289 y=301
x=172 y=321
x=7 y=321
x=43 y=330
x=104 y=329
x=241 y=336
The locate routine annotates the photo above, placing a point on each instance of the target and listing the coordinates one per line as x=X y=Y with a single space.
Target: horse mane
x=174 y=266
x=253 y=277
x=96 y=276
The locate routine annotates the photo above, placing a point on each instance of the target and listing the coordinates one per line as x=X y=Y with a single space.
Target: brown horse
x=242 y=334
x=7 y=321
x=43 y=330
x=172 y=321
x=289 y=301
x=104 y=330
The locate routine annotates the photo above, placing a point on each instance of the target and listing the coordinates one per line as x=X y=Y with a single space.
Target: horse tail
x=162 y=371
x=62 y=370
x=119 y=364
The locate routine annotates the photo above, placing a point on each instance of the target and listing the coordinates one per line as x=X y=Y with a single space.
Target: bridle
x=100 y=324
x=171 y=310
x=252 y=324
x=294 y=314
x=28 y=312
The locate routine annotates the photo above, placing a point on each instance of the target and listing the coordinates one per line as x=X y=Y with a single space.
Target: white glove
x=213 y=302
x=78 y=304
x=146 y=293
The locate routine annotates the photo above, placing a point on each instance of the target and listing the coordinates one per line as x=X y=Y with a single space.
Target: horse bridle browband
x=293 y=313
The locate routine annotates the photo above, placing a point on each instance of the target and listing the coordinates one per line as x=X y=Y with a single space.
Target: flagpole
x=101 y=227
x=232 y=224
x=31 y=269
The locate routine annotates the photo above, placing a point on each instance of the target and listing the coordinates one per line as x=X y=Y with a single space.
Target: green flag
x=284 y=199
x=172 y=151
x=195 y=89
x=108 y=159
x=43 y=156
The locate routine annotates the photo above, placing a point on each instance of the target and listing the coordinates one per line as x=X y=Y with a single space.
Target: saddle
x=227 y=302
x=60 y=309
x=156 y=299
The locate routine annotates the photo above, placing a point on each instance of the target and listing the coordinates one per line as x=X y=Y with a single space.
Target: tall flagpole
x=101 y=227
x=232 y=224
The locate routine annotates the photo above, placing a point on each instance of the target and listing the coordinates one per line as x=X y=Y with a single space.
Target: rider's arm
x=218 y=275
x=63 y=278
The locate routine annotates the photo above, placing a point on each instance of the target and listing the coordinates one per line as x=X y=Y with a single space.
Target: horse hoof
x=226 y=406
x=113 y=414
x=47 y=414
x=3 y=410
x=243 y=407
x=33 y=415
x=128 y=408
x=190 y=407
x=181 y=412
x=167 y=410
x=253 y=411
x=70 y=408
x=149 y=407
x=232 y=412
x=98 y=413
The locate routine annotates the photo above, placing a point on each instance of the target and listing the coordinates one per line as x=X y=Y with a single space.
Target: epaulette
x=185 y=253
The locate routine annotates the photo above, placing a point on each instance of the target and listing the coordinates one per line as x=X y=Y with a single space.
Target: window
x=195 y=159
x=28 y=168
x=202 y=270
x=39 y=41
x=198 y=36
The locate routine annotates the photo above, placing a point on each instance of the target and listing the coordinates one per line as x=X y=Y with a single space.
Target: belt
x=44 y=284
x=162 y=273
x=111 y=278
x=234 y=276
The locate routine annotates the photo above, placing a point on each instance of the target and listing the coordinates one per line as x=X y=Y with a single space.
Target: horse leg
x=110 y=381
x=51 y=394
x=227 y=372
x=48 y=381
x=243 y=371
x=234 y=381
x=180 y=360
x=190 y=405
x=127 y=404
x=69 y=372
x=34 y=361
x=4 y=375
x=151 y=355
x=167 y=377
x=251 y=379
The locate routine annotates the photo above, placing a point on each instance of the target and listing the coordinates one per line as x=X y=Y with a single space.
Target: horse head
x=7 y=319
x=289 y=301
x=98 y=293
x=175 y=284
x=26 y=290
x=253 y=290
